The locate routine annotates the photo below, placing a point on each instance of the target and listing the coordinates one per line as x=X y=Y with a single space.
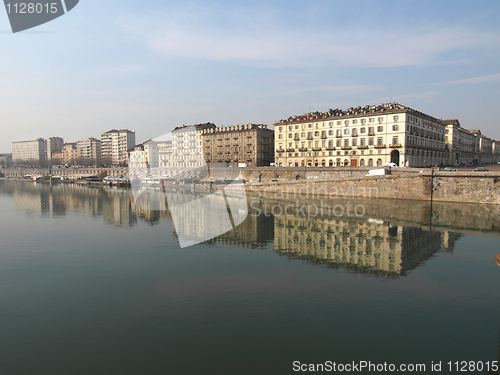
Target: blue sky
x=151 y=66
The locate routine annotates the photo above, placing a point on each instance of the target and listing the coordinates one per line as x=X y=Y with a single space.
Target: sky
x=151 y=66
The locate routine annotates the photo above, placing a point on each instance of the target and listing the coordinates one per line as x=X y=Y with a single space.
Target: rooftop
x=384 y=108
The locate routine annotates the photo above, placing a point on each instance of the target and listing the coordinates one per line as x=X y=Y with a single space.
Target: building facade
x=115 y=145
x=251 y=144
x=52 y=145
x=70 y=153
x=461 y=143
x=29 y=151
x=89 y=151
x=362 y=136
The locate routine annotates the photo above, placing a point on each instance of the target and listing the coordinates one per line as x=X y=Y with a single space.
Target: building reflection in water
x=375 y=243
x=365 y=246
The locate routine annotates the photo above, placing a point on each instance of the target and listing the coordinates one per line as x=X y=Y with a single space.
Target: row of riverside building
x=375 y=135
x=362 y=136
x=111 y=149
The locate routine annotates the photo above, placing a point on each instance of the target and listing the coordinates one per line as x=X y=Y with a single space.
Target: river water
x=92 y=284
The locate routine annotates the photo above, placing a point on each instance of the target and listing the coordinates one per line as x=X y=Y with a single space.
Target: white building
x=29 y=151
x=115 y=145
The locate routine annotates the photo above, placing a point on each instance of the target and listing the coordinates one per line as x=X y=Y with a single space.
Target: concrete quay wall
x=459 y=187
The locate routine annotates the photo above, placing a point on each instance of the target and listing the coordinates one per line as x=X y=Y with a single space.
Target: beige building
x=115 y=145
x=89 y=151
x=362 y=136
x=70 y=153
x=461 y=143
x=484 y=148
x=53 y=144
x=251 y=144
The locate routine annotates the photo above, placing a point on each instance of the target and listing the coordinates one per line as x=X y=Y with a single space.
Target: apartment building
x=53 y=144
x=89 y=151
x=70 y=153
x=115 y=145
x=362 y=136
x=29 y=151
x=251 y=144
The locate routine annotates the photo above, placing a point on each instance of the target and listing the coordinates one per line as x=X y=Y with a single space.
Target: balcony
x=395 y=145
x=346 y=148
x=332 y=148
x=280 y=150
x=317 y=149
x=379 y=146
x=361 y=147
x=296 y=138
x=354 y=134
x=309 y=137
x=303 y=149
x=290 y=150
x=338 y=136
x=323 y=136
x=371 y=133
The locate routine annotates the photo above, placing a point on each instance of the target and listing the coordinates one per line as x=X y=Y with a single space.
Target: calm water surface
x=91 y=284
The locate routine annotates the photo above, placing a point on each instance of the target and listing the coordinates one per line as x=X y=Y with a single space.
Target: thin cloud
x=468 y=81
x=193 y=36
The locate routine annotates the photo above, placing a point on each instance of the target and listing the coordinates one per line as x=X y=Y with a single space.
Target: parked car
x=481 y=169
x=449 y=169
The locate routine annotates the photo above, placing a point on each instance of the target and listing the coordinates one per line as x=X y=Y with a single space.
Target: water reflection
x=390 y=239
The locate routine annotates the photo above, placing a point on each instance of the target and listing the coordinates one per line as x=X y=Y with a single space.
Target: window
x=281 y=128
x=396 y=118
x=363 y=120
x=346 y=131
x=290 y=128
x=316 y=125
x=296 y=126
x=372 y=119
x=380 y=120
x=290 y=135
x=354 y=142
x=354 y=121
x=339 y=132
x=330 y=143
x=379 y=162
x=354 y=132
x=362 y=142
x=330 y=132
x=346 y=142
x=339 y=122
x=379 y=141
x=310 y=125
x=316 y=134
x=338 y=143
x=395 y=140
x=330 y=124
x=346 y=122
x=280 y=136
x=395 y=127
x=380 y=129
x=370 y=141
x=362 y=130
x=303 y=134
x=281 y=146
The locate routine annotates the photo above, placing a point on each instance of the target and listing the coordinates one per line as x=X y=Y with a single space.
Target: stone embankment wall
x=470 y=187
